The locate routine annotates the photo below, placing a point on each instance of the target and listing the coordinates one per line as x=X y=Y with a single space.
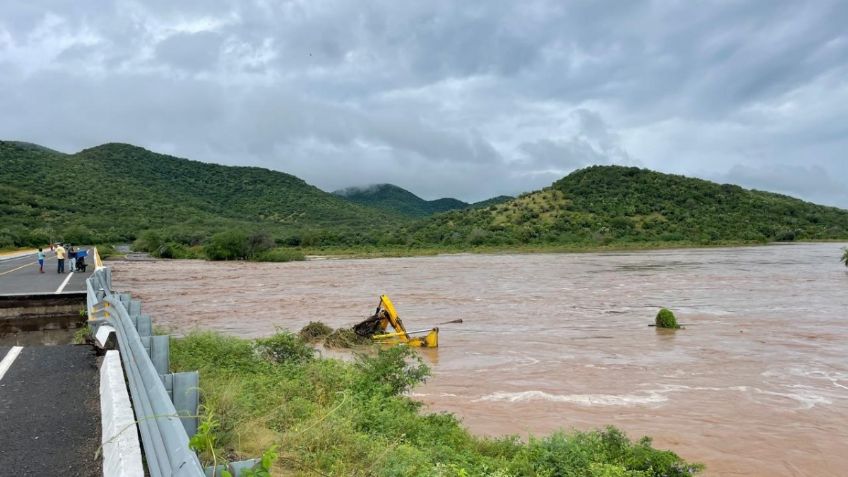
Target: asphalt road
x=50 y=412
x=20 y=276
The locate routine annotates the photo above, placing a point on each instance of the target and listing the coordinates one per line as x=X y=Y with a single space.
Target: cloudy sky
x=468 y=99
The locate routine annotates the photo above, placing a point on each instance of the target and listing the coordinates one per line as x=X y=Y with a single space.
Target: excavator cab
x=385 y=326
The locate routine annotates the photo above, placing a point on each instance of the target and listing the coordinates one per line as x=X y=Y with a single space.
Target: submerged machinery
x=385 y=326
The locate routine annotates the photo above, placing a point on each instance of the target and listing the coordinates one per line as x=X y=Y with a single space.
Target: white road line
x=16 y=269
x=7 y=361
x=62 y=287
x=19 y=257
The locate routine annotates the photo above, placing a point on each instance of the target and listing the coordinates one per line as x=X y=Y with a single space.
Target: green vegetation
x=345 y=338
x=330 y=417
x=82 y=335
x=493 y=201
x=105 y=251
x=613 y=205
x=179 y=208
x=314 y=331
x=845 y=256
x=280 y=254
x=122 y=190
x=666 y=319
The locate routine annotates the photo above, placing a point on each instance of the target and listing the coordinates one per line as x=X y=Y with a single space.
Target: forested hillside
x=114 y=191
x=613 y=204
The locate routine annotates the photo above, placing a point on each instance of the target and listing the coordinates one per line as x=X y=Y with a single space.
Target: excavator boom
x=377 y=328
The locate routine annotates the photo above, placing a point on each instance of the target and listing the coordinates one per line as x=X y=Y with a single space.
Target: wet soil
x=757 y=383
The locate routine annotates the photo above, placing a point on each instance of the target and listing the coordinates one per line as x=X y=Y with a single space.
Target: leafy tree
x=228 y=245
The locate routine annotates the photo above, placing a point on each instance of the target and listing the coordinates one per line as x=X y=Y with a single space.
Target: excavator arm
x=385 y=326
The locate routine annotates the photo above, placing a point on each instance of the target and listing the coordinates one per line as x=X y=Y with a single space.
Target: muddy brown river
x=757 y=383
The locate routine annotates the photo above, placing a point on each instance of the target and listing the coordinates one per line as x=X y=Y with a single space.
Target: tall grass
x=330 y=417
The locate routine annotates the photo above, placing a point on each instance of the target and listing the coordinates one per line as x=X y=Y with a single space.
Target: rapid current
x=756 y=383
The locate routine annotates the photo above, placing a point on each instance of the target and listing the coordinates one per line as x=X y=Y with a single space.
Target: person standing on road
x=60 y=257
x=72 y=257
x=40 y=260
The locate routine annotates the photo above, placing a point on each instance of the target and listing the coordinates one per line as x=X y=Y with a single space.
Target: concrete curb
x=121 y=450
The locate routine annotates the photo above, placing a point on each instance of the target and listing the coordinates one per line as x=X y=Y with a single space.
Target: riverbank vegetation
x=331 y=417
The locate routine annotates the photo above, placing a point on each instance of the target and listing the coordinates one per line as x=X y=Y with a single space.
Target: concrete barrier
x=121 y=450
x=105 y=337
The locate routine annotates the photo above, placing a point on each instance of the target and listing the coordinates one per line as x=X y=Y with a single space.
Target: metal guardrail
x=163 y=434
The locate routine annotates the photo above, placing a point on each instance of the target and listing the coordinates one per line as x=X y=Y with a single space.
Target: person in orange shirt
x=60 y=257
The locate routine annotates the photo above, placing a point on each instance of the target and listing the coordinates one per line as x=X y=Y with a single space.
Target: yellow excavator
x=377 y=328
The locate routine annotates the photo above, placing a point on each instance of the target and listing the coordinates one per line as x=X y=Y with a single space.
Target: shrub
x=171 y=250
x=392 y=370
x=845 y=256
x=105 y=251
x=227 y=245
x=259 y=242
x=285 y=347
x=345 y=338
x=666 y=319
x=785 y=236
x=148 y=241
x=208 y=351
x=314 y=331
x=280 y=255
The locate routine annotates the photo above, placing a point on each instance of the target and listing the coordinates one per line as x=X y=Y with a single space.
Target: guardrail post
x=159 y=350
x=164 y=431
x=163 y=435
x=184 y=389
x=134 y=308
x=144 y=325
x=107 y=278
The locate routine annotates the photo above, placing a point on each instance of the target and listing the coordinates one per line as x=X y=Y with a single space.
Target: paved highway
x=20 y=276
x=50 y=411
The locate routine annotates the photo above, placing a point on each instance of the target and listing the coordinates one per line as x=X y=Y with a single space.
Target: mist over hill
x=392 y=198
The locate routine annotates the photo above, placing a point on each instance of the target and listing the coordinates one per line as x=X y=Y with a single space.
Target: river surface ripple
x=757 y=383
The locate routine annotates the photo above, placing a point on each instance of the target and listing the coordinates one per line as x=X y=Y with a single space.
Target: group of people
x=67 y=251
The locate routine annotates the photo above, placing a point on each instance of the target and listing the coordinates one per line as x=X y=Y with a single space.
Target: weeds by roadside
x=338 y=418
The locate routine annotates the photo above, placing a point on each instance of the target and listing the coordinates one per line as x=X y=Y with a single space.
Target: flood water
x=757 y=383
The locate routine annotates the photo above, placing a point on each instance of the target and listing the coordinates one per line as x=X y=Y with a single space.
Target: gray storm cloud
x=463 y=99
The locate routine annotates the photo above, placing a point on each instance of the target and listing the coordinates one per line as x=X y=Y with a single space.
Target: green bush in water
x=314 y=331
x=666 y=319
x=345 y=338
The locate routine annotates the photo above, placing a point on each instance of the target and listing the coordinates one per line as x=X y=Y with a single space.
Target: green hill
x=493 y=201
x=613 y=204
x=392 y=198
x=114 y=191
